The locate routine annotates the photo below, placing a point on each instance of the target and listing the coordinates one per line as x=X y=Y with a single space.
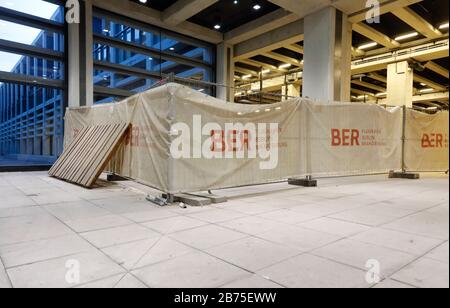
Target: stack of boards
x=85 y=158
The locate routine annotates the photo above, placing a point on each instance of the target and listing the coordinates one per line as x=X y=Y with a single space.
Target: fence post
x=404 y=173
x=308 y=181
x=404 y=139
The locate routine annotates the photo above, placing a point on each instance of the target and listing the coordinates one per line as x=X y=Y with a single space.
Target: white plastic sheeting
x=426 y=141
x=353 y=139
x=183 y=140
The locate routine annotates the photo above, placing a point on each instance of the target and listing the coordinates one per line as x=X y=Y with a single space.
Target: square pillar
x=327 y=67
x=225 y=72
x=80 y=58
x=400 y=84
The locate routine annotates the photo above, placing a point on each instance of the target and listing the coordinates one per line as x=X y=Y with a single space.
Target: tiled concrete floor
x=275 y=236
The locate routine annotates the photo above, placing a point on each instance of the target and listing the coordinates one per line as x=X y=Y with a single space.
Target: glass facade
x=32 y=80
x=130 y=57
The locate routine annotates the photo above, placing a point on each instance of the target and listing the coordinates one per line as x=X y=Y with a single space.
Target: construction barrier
x=183 y=140
x=353 y=139
x=426 y=141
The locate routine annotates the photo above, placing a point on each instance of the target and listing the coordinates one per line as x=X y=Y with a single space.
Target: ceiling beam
x=361 y=92
x=374 y=35
x=385 y=7
x=182 y=10
x=277 y=38
x=417 y=22
x=437 y=69
x=295 y=48
x=259 y=26
x=282 y=58
x=421 y=53
x=262 y=64
x=431 y=97
x=369 y=85
x=378 y=77
x=245 y=71
x=302 y=8
x=428 y=82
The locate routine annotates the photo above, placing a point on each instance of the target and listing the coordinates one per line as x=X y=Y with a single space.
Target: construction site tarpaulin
x=426 y=144
x=183 y=140
x=352 y=139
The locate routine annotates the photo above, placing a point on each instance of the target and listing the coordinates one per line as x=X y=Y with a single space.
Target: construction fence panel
x=229 y=145
x=426 y=141
x=183 y=140
x=353 y=139
x=144 y=156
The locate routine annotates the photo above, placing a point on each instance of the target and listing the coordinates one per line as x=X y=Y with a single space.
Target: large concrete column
x=73 y=68
x=86 y=55
x=80 y=59
x=327 y=67
x=225 y=72
x=400 y=84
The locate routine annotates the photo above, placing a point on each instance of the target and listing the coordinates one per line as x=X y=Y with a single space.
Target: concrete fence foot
x=308 y=182
x=404 y=175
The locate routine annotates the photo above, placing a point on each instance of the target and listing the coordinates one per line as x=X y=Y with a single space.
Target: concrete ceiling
x=272 y=36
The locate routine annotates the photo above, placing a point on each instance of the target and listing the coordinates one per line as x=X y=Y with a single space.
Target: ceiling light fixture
x=427 y=90
x=443 y=26
x=285 y=66
x=368 y=45
x=143 y=1
x=406 y=36
x=217 y=27
x=246 y=76
x=257 y=6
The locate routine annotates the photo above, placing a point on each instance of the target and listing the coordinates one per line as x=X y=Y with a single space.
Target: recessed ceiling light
x=367 y=46
x=236 y=2
x=143 y=1
x=217 y=27
x=443 y=26
x=172 y=48
x=285 y=66
x=406 y=36
x=257 y=7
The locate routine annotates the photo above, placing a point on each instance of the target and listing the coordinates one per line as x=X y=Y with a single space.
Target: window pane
x=31 y=36
x=126 y=82
x=31 y=66
x=185 y=49
x=31 y=120
x=37 y=8
x=135 y=69
x=31 y=116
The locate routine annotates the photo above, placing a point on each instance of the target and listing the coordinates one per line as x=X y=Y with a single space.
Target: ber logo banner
x=426 y=145
x=434 y=140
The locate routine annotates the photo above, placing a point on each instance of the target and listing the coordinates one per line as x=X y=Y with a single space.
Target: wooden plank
x=89 y=153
